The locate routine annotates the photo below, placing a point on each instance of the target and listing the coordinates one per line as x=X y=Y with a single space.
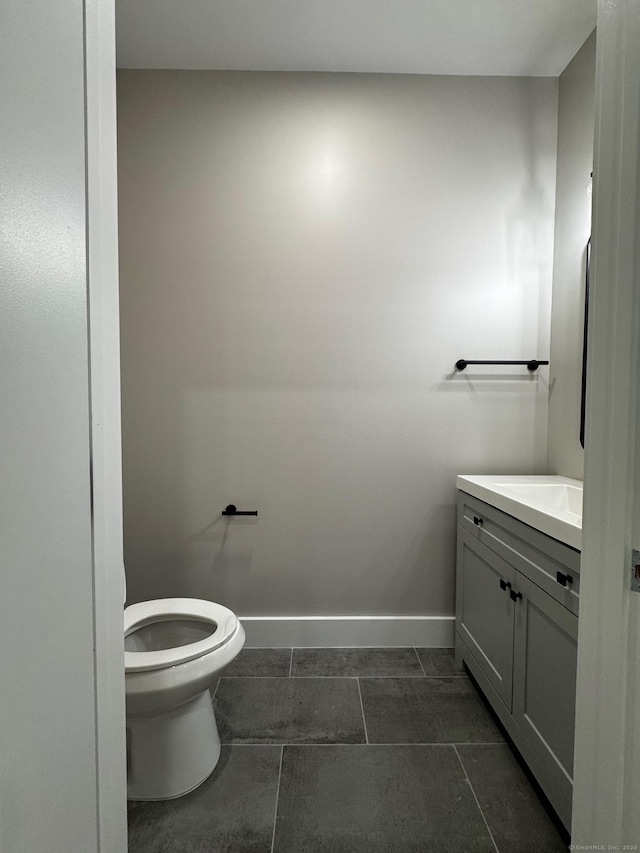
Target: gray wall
x=47 y=699
x=303 y=259
x=572 y=229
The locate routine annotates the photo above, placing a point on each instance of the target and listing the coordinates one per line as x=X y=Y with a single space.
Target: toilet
x=175 y=648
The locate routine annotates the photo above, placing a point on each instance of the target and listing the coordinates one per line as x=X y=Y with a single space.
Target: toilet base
x=170 y=754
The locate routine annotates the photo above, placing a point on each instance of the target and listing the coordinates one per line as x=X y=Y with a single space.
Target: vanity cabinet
x=517 y=598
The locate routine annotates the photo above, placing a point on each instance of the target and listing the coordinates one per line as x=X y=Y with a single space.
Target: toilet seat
x=224 y=625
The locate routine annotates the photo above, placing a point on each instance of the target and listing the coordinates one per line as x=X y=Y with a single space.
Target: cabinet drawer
x=548 y=563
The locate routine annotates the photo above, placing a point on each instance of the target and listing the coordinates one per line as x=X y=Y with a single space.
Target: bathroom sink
x=554 y=496
x=551 y=504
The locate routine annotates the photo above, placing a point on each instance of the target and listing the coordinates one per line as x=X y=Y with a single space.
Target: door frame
x=104 y=392
x=607 y=744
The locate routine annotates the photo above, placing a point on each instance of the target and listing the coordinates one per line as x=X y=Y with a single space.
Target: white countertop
x=550 y=503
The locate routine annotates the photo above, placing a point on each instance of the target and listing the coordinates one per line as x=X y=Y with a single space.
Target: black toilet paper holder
x=231 y=510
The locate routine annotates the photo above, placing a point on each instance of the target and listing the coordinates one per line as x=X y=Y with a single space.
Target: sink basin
x=551 y=504
x=554 y=496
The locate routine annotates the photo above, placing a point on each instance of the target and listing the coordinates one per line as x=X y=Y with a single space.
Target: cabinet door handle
x=504 y=584
x=563 y=579
x=477 y=521
x=515 y=595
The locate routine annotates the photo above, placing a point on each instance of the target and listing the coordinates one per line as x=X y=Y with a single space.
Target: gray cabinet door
x=544 y=686
x=484 y=611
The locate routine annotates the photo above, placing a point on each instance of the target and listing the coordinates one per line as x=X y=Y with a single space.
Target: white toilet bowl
x=175 y=648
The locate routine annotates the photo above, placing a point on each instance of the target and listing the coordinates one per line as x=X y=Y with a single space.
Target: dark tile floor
x=352 y=751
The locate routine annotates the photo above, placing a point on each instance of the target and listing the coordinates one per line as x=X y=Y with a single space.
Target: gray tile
x=289 y=710
x=232 y=812
x=438 y=662
x=355 y=662
x=376 y=799
x=516 y=817
x=425 y=710
x=260 y=663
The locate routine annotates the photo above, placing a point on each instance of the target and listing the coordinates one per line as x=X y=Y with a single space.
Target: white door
x=607 y=746
x=62 y=766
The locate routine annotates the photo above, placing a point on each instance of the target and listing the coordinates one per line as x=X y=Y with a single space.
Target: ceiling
x=492 y=37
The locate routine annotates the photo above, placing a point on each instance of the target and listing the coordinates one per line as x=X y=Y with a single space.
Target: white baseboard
x=348 y=631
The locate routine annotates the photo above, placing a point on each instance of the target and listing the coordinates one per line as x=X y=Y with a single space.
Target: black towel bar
x=532 y=364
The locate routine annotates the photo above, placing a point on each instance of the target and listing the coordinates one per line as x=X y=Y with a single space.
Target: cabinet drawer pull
x=515 y=595
x=504 y=584
x=563 y=579
x=477 y=521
